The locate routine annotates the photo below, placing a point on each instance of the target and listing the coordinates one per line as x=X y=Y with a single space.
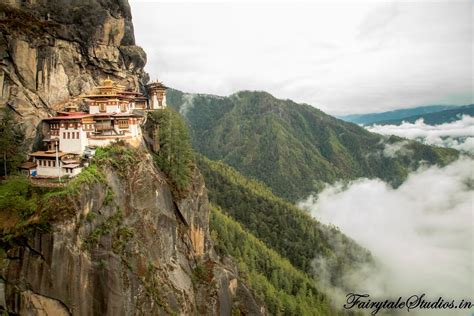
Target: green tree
x=291 y=232
x=12 y=142
x=271 y=277
x=175 y=155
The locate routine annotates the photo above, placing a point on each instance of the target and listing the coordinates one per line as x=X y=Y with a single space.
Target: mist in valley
x=458 y=134
x=420 y=234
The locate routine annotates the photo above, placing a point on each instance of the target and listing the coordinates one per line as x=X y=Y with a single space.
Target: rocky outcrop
x=34 y=304
x=127 y=249
x=53 y=50
x=122 y=245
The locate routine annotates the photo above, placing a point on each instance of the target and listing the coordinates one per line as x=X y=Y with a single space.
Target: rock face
x=53 y=50
x=129 y=248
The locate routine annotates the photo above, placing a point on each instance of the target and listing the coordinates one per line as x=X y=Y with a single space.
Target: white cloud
x=458 y=134
x=396 y=149
x=340 y=56
x=421 y=232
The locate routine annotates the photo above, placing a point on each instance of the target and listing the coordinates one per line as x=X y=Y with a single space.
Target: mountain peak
x=295 y=148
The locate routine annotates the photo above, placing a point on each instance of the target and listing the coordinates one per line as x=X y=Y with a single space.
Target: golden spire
x=108 y=82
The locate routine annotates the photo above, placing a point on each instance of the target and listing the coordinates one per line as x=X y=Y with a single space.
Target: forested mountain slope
x=294 y=148
x=285 y=289
x=284 y=228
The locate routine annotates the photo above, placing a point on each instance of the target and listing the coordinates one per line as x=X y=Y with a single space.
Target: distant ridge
x=436 y=118
x=372 y=118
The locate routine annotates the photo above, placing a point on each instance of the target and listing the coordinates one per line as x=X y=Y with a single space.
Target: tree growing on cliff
x=175 y=156
x=12 y=142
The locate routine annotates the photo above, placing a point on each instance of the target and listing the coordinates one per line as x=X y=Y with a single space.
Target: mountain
x=285 y=289
x=134 y=233
x=295 y=148
x=289 y=231
x=53 y=50
x=436 y=118
x=375 y=118
x=120 y=238
x=130 y=234
x=113 y=241
x=276 y=244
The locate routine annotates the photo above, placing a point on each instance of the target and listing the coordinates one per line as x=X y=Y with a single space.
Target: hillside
x=284 y=228
x=285 y=289
x=114 y=241
x=129 y=235
x=375 y=118
x=294 y=148
x=436 y=118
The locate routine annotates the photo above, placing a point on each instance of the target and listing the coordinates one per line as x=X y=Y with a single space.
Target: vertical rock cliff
x=53 y=50
x=120 y=244
x=114 y=241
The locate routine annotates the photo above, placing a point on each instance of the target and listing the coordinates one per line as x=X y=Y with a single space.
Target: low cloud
x=421 y=234
x=458 y=134
x=397 y=149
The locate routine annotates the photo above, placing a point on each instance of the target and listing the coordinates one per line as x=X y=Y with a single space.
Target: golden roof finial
x=108 y=82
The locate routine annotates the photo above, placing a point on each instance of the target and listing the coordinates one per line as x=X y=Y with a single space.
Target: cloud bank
x=421 y=233
x=458 y=134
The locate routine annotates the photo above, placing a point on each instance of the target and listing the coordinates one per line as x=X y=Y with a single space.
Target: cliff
x=113 y=241
x=116 y=242
x=53 y=50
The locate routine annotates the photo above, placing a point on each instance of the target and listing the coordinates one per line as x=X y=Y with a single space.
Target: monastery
x=71 y=136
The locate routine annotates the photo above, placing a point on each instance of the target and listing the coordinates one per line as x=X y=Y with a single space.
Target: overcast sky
x=340 y=57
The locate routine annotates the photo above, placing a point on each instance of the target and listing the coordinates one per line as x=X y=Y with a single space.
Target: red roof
x=79 y=115
x=110 y=96
x=71 y=113
x=126 y=114
x=115 y=114
x=28 y=165
x=46 y=154
x=69 y=116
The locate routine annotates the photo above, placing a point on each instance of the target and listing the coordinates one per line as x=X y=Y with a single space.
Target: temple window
x=123 y=123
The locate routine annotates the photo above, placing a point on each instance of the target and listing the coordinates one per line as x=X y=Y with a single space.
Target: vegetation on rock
x=119 y=156
x=26 y=207
x=175 y=155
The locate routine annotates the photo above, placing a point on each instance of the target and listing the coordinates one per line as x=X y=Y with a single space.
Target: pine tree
x=175 y=155
x=12 y=142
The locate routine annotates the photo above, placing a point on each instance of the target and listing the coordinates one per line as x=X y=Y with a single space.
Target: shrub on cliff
x=26 y=208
